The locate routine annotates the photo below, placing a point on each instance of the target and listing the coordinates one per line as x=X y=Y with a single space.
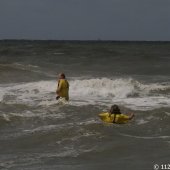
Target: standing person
x=63 y=87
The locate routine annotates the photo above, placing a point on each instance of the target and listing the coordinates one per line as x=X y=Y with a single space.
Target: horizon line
x=76 y=40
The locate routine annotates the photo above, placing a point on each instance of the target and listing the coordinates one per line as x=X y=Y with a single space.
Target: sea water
x=37 y=133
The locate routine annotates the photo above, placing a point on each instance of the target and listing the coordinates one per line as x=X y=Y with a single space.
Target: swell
x=17 y=72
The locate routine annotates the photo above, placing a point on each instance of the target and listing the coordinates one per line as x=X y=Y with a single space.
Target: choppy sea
x=36 y=133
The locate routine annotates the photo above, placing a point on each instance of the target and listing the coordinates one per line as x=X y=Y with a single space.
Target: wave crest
x=129 y=92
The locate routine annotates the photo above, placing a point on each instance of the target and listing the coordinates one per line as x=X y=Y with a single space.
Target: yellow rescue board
x=112 y=118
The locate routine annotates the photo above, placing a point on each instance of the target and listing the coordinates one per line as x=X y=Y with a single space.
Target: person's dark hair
x=62 y=75
x=115 y=109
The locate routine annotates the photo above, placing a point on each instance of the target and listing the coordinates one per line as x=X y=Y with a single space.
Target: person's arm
x=126 y=117
x=68 y=85
x=59 y=87
x=130 y=115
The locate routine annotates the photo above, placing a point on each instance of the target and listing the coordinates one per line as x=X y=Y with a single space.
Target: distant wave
x=18 y=66
x=23 y=67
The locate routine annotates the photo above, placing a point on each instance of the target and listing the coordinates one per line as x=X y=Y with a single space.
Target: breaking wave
x=128 y=92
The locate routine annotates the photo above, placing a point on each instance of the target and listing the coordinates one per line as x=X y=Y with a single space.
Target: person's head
x=115 y=109
x=62 y=76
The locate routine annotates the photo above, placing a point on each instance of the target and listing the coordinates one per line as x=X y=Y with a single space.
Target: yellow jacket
x=63 y=88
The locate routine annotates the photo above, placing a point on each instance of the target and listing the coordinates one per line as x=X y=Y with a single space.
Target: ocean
x=36 y=133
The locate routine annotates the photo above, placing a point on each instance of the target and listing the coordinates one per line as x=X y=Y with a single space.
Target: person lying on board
x=118 y=116
x=115 y=116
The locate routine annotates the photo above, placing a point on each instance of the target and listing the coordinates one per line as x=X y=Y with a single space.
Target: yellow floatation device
x=114 y=118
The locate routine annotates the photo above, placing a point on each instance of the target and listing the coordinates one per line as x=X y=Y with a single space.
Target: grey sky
x=85 y=19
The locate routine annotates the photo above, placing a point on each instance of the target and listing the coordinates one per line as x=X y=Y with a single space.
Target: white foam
x=28 y=93
x=142 y=121
x=167 y=113
x=122 y=91
x=145 y=137
x=2 y=93
x=102 y=87
x=144 y=103
x=104 y=91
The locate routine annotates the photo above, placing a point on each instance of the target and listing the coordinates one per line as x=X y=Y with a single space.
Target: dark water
x=36 y=133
